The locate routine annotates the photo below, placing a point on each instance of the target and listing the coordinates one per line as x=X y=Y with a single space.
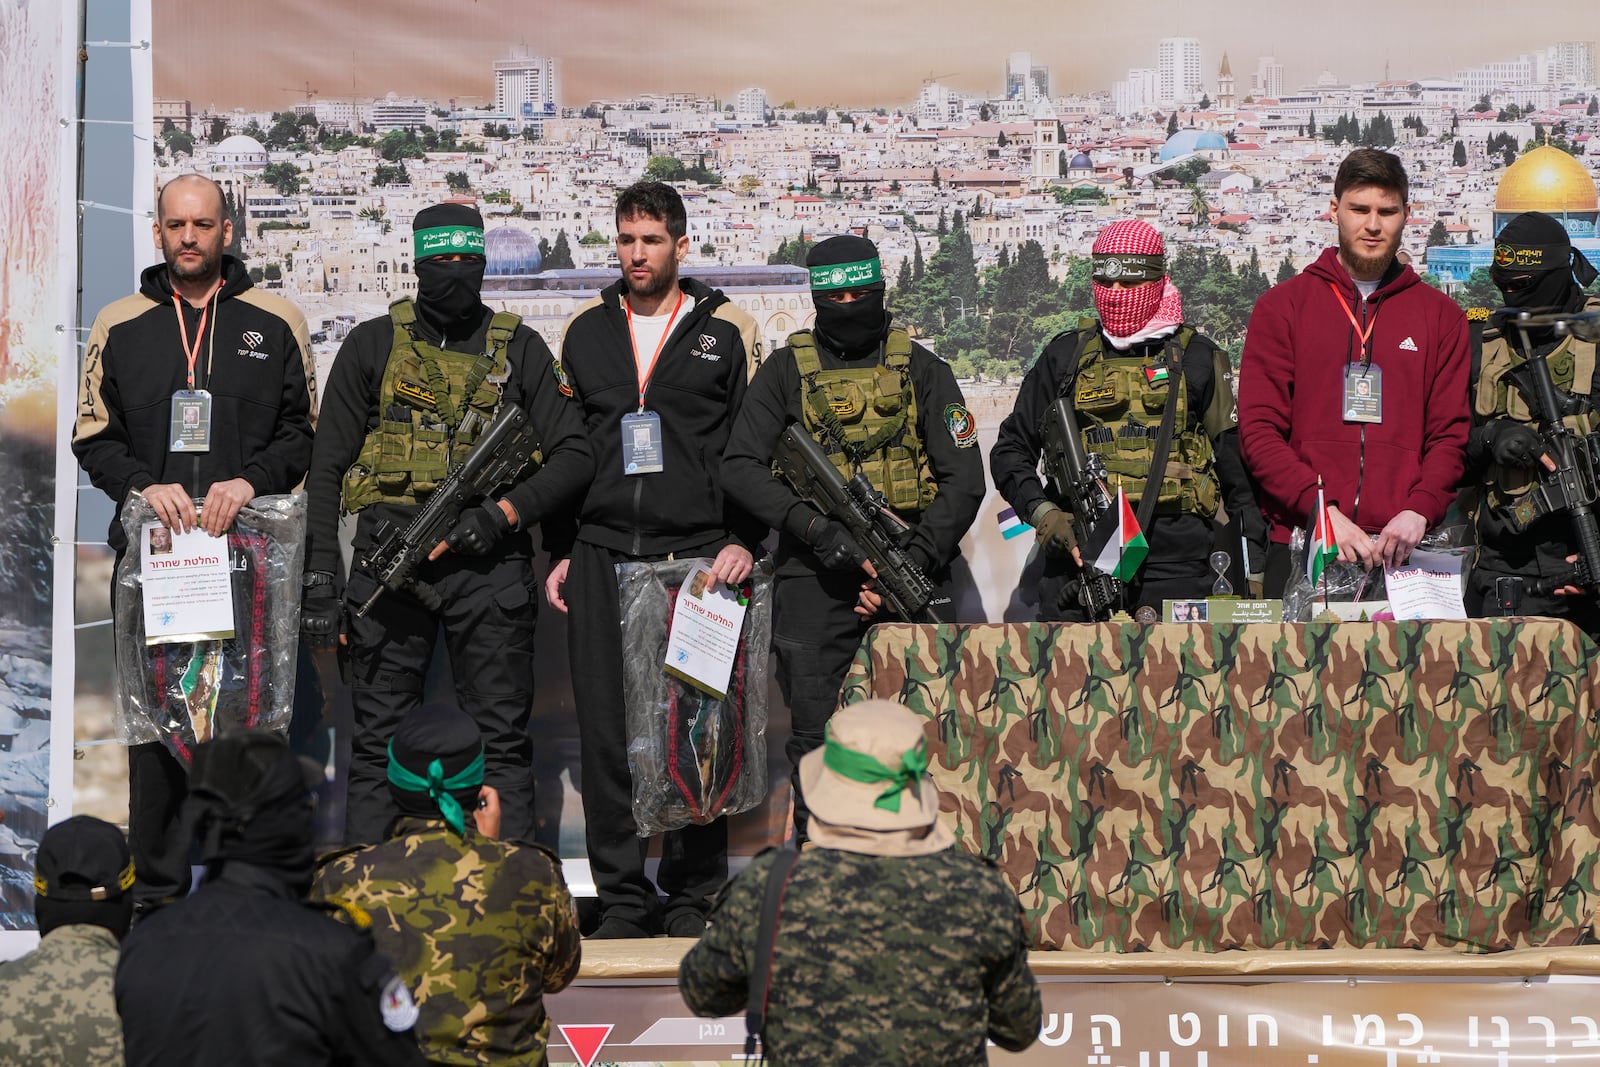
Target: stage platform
x=1332 y=1008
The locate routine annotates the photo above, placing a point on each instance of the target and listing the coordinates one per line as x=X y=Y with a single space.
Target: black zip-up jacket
x=775 y=401
x=697 y=385
x=255 y=360
x=351 y=407
x=245 y=972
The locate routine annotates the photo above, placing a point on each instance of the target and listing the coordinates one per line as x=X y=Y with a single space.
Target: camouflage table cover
x=1348 y=785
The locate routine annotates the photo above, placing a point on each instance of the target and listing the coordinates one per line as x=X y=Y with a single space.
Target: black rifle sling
x=755 y=1010
x=1163 y=443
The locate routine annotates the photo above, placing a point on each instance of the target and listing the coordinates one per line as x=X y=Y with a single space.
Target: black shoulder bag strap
x=755 y=1009
x=1163 y=442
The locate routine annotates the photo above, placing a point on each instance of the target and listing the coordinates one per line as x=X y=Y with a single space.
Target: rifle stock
x=501 y=456
x=863 y=511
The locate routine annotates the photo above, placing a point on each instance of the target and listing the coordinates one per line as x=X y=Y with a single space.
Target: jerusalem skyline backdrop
x=831 y=52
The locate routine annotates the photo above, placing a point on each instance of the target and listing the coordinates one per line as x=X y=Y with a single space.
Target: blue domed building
x=1206 y=143
x=510 y=252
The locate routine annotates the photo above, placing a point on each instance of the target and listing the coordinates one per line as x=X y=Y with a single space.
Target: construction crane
x=306 y=91
x=931 y=78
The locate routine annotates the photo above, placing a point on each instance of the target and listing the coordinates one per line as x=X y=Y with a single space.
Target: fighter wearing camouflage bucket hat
x=409 y=396
x=1136 y=375
x=480 y=927
x=881 y=405
x=59 y=1003
x=883 y=893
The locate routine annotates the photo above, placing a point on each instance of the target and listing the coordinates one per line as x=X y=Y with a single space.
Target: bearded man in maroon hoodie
x=1355 y=372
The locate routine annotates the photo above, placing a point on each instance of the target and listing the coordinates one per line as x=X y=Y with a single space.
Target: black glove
x=836 y=550
x=478 y=530
x=1512 y=444
x=321 y=611
x=1054 y=531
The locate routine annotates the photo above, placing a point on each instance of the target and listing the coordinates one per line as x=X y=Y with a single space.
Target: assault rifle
x=862 y=510
x=1079 y=480
x=1572 y=488
x=501 y=456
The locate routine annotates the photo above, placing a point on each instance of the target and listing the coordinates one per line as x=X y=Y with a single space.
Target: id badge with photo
x=1363 y=393
x=642 y=451
x=191 y=421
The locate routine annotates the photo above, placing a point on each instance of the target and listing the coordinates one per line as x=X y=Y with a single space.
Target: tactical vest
x=1571 y=361
x=433 y=405
x=1119 y=411
x=865 y=418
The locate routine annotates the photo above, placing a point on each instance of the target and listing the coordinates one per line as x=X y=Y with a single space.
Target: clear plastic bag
x=1352 y=583
x=693 y=757
x=187 y=692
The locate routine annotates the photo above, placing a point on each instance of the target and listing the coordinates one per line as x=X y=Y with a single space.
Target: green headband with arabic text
x=857 y=275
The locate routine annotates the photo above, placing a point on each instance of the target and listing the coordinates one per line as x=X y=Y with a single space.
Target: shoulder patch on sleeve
x=399 y=1011
x=563 y=383
x=963 y=427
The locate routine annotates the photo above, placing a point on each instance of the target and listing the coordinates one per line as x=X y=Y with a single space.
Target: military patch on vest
x=1156 y=375
x=963 y=427
x=415 y=394
x=563 y=383
x=1088 y=394
x=844 y=407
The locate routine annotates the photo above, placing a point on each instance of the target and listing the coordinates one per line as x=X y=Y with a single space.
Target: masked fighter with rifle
x=1532 y=450
x=413 y=396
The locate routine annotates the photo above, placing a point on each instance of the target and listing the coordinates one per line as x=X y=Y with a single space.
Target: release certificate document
x=188 y=585
x=1428 y=586
x=704 y=639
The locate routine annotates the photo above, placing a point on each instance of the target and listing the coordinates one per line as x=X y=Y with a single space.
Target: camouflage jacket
x=880 y=961
x=479 y=928
x=59 y=1007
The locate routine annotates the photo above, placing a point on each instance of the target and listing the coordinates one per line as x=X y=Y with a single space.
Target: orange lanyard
x=1356 y=326
x=193 y=353
x=644 y=381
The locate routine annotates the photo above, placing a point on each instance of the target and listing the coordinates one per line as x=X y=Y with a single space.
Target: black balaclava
x=250 y=802
x=83 y=873
x=1535 y=267
x=433 y=733
x=848 y=262
x=449 y=294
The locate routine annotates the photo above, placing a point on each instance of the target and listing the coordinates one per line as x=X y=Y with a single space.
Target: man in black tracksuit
x=408 y=393
x=196 y=336
x=877 y=403
x=660 y=366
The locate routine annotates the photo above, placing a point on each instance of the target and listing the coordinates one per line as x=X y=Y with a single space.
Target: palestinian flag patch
x=1156 y=375
x=963 y=427
x=563 y=383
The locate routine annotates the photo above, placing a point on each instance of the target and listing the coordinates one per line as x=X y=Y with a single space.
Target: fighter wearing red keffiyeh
x=1120 y=370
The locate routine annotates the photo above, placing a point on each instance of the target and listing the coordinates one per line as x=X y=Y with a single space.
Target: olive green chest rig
x=1120 y=400
x=1571 y=362
x=433 y=405
x=865 y=419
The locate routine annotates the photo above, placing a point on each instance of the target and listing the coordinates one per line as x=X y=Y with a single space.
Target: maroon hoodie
x=1291 y=392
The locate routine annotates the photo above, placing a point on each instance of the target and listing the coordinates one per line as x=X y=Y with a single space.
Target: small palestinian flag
x=1323 y=547
x=1156 y=375
x=1011 y=525
x=1117 y=546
